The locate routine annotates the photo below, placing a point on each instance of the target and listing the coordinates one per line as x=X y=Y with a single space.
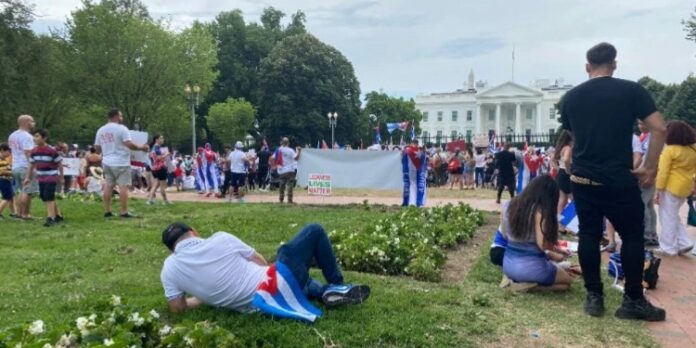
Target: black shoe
x=651 y=243
x=336 y=295
x=50 y=222
x=497 y=201
x=15 y=216
x=128 y=216
x=60 y=218
x=639 y=309
x=594 y=304
x=108 y=214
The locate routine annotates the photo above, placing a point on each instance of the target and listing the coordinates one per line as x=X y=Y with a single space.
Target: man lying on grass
x=223 y=271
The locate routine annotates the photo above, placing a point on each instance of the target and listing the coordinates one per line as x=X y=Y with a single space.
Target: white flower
x=108 y=342
x=81 y=324
x=36 y=327
x=65 y=341
x=189 y=341
x=47 y=345
x=154 y=314
x=92 y=318
x=165 y=330
x=18 y=345
x=136 y=319
x=115 y=300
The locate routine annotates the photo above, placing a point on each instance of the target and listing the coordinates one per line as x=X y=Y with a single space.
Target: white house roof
x=509 y=90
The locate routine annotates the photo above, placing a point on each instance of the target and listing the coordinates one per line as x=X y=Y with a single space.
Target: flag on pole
x=318 y=144
x=491 y=143
x=391 y=127
x=413 y=131
x=323 y=145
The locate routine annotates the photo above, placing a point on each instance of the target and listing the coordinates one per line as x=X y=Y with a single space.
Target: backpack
x=650 y=269
x=454 y=164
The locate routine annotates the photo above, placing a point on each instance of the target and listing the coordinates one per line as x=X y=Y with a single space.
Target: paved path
x=676 y=289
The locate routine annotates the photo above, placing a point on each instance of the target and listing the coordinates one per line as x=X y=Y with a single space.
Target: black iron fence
x=516 y=140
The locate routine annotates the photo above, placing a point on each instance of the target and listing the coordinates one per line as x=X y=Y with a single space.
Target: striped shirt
x=6 y=168
x=46 y=161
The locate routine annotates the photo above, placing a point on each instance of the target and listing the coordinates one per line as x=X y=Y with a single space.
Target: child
x=46 y=162
x=179 y=177
x=6 y=180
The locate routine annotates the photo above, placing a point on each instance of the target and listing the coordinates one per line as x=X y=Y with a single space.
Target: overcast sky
x=410 y=47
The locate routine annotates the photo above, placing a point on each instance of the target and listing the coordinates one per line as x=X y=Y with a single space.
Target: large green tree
x=388 y=110
x=302 y=80
x=683 y=104
x=231 y=121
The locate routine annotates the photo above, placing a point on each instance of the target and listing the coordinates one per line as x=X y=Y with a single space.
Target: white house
x=477 y=110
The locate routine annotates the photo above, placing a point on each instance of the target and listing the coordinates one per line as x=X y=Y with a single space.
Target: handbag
x=691 y=218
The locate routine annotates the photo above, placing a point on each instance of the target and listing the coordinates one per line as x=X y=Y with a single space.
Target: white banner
x=353 y=169
x=139 y=138
x=71 y=166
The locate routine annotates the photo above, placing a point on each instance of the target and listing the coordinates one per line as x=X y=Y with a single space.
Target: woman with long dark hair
x=532 y=237
x=563 y=158
x=159 y=170
x=675 y=183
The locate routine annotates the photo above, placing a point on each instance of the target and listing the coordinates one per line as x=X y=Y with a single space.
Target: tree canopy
x=231 y=121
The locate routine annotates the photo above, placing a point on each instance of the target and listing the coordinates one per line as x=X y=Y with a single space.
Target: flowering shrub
x=118 y=326
x=410 y=242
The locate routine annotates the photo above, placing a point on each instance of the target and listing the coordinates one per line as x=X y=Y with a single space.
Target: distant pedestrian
x=262 y=172
x=505 y=162
x=286 y=162
x=46 y=162
x=6 y=180
x=238 y=167
x=21 y=143
x=158 y=158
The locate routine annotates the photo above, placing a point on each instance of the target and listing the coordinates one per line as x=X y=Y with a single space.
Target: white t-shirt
x=480 y=160
x=114 y=152
x=237 y=162
x=635 y=144
x=215 y=270
x=289 y=162
x=20 y=141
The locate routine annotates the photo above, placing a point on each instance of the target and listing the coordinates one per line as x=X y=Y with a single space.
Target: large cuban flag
x=281 y=296
x=415 y=167
x=522 y=175
x=569 y=218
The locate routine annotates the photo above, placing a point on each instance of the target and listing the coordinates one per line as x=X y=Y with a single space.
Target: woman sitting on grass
x=532 y=237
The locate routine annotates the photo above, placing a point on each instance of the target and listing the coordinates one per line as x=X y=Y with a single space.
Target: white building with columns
x=509 y=108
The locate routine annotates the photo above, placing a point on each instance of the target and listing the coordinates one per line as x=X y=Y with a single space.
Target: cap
x=173 y=232
x=238 y=145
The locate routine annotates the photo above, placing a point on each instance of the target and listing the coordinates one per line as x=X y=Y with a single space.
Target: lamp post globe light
x=192 y=94
x=333 y=117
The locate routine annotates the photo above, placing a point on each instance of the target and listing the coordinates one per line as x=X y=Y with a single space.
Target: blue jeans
x=479 y=176
x=310 y=244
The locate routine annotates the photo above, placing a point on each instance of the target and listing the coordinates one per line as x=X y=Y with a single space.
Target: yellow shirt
x=677 y=169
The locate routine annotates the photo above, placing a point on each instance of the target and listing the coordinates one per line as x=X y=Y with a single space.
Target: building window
x=552 y=131
x=439 y=116
x=510 y=117
x=439 y=135
x=469 y=115
x=529 y=114
x=468 y=134
x=491 y=115
x=425 y=116
x=552 y=113
x=453 y=135
x=454 y=116
x=425 y=135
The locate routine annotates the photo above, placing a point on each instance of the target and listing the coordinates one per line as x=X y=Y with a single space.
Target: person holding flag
x=415 y=165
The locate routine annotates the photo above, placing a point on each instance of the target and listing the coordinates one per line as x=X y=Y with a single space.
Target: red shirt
x=46 y=161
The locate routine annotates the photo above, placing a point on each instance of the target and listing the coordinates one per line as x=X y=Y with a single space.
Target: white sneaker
x=661 y=252
x=684 y=251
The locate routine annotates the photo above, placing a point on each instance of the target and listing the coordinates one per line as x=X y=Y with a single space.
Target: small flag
x=491 y=143
x=413 y=131
x=336 y=146
x=403 y=126
x=569 y=218
x=391 y=127
x=323 y=145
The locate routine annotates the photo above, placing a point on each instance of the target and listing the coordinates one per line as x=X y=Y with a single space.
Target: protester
x=21 y=143
x=286 y=162
x=648 y=193
x=252 y=168
x=563 y=159
x=113 y=140
x=602 y=181
x=675 y=183
x=454 y=168
x=6 y=181
x=223 y=271
x=264 y=155
x=479 y=167
x=505 y=162
x=469 y=165
x=238 y=167
x=158 y=158
x=47 y=163
x=531 y=253
x=179 y=177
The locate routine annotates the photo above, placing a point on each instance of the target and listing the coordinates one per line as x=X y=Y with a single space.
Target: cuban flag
x=415 y=166
x=491 y=144
x=403 y=126
x=378 y=137
x=413 y=131
x=523 y=175
x=391 y=127
x=323 y=145
x=569 y=218
x=280 y=296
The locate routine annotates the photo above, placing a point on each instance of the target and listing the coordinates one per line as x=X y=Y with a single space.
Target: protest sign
x=71 y=166
x=319 y=184
x=139 y=158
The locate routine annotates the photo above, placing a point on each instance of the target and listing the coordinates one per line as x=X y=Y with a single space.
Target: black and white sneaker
x=49 y=222
x=128 y=216
x=336 y=295
x=108 y=214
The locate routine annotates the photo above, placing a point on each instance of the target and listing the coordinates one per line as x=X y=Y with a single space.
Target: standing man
x=648 y=193
x=601 y=113
x=238 y=163
x=114 y=142
x=505 y=162
x=286 y=161
x=262 y=172
x=21 y=143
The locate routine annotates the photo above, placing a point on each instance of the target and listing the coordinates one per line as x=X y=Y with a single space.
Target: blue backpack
x=650 y=269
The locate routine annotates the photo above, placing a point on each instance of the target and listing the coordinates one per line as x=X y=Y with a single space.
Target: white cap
x=239 y=145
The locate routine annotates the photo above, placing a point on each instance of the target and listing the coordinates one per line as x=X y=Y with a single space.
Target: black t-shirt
x=263 y=158
x=601 y=114
x=504 y=161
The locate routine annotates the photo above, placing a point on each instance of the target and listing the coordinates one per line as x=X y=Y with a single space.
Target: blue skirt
x=525 y=263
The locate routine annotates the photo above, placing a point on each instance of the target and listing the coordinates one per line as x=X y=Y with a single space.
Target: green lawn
x=60 y=273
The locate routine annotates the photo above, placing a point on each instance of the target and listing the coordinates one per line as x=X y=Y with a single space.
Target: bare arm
x=182 y=304
x=656 y=126
x=298 y=150
x=30 y=174
x=131 y=145
x=637 y=159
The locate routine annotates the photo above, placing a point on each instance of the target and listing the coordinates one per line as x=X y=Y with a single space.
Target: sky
x=411 y=47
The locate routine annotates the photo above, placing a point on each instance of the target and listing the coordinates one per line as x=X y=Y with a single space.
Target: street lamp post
x=192 y=98
x=332 y=123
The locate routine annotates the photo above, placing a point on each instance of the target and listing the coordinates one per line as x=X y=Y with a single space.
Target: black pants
x=506 y=181
x=226 y=184
x=624 y=209
x=262 y=174
x=238 y=180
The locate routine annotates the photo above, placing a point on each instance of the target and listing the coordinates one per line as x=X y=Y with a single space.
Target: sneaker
x=594 y=304
x=60 y=218
x=684 y=251
x=127 y=216
x=651 y=243
x=610 y=248
x=49 y=222
x=15 y=216
x=639 y=309
x=336 y=295
x=662 y=252
x=108 y=214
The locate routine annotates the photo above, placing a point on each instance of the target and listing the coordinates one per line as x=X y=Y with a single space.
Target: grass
x=433 y=192
x=60 y=273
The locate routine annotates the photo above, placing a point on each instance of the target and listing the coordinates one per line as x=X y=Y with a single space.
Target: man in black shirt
x=601 y=113
x=262 y=173
x=504 y=162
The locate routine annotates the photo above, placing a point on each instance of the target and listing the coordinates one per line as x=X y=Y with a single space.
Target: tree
x=231 y=121
x=388 y=110
x=301 y=80
x=682 y=106
x=690 y=27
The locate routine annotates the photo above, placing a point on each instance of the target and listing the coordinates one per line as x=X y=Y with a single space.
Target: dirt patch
x=460 y=260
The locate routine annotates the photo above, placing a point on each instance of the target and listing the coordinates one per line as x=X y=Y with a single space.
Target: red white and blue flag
x=281 y=296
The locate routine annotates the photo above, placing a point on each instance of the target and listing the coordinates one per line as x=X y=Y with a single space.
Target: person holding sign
x=113 y=140
x=159 y=157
